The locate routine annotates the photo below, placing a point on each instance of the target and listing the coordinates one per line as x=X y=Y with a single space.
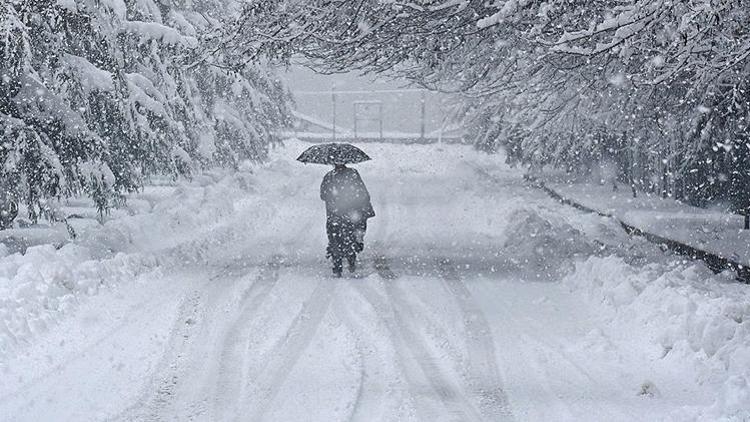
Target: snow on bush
x=192 y=213
x=38 y=286
x=690 y=314
x=182 y=225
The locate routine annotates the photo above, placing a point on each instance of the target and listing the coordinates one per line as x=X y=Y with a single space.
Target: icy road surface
x=457 y=312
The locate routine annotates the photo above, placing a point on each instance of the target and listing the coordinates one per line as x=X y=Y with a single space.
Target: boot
x=352 y=260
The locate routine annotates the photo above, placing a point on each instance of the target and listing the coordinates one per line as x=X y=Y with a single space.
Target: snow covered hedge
x=35 y=288
x=96 y=96
x=174 y=227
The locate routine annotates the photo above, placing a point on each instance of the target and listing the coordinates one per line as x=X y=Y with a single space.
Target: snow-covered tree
x=658 y=86
x=98 y=95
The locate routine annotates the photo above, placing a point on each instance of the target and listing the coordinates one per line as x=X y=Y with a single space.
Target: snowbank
x=169 y=226
x=37 y=287
x=691 y=317
x=541 y=249
x=163 y=229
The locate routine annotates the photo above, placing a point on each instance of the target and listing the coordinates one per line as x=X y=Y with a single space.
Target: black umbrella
x=333 y=153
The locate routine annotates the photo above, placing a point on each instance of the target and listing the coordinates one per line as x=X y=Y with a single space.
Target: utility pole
x=356 y=120
x=380 y=119
x=423 y=114
x=665 y=165
x=333 y=99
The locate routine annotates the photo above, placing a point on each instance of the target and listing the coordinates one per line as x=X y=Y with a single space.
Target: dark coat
x=345 y=195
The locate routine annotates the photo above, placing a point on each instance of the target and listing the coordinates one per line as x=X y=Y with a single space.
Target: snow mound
x=691 y=317
x=540 y=248
x=175 y=226
x=35 y=288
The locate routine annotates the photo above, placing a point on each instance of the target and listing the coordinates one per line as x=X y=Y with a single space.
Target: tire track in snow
x=534 y=372
x=577 y=375
x=266 y=378
x=159 y=392
x=160 y=396
x=229 y=380
x=553 y=351
x=484 y=374
x=450 y=396
x=369 y=402
x=414 y=378
x=147 y=306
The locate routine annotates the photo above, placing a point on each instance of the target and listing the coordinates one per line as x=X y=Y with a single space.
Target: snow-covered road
x=462 y=309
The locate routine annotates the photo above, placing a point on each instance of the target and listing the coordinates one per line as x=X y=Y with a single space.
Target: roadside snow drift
x=692 y=321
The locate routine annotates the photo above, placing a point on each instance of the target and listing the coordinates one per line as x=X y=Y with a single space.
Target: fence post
x=423 y=114
x=333 y=98
x=356 y=119
x=380 y=119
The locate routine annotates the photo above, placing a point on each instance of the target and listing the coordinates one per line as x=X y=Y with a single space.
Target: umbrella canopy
x=333 y=153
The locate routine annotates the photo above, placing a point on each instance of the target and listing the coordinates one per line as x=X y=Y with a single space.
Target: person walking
x=348 y=208
x=347 y=200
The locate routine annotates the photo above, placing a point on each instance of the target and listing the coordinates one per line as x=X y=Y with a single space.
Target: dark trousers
x=344 y=240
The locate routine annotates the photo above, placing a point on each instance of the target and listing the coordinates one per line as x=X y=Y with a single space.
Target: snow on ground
x=41 y=285
x=687 y=319
x=710 y=230
x=477 y=298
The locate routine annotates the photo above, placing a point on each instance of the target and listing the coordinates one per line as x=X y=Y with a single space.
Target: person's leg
x=348 y=237
x=359 y=236
x=350 y=242
x=331 y=232
x=334 y=228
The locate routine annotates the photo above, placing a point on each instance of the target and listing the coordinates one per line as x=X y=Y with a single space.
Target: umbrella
x=333 y=153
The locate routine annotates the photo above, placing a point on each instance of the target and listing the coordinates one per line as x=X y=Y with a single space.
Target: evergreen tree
x=98 y=95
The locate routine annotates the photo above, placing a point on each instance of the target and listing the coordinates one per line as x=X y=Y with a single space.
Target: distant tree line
x=96 y=96
x=660 y=87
